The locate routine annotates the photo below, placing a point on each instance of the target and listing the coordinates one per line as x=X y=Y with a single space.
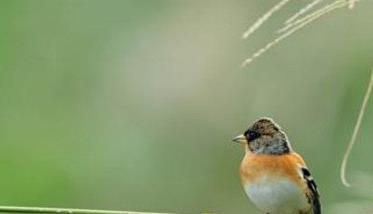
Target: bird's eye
x=252 y=135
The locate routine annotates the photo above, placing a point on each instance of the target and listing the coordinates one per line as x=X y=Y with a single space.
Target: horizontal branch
x=12 y=209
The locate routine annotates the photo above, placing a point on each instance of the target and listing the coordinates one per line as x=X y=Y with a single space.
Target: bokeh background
x=132 y=104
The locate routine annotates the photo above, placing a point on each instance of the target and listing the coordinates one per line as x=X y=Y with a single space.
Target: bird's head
x=264 y=136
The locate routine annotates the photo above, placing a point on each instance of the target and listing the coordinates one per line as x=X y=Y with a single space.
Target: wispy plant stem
x=326 y=9
x=355 y=132
x=293 y=25
x=316 y=15
x=264 y=18
x=303 y=11
x=352 y=4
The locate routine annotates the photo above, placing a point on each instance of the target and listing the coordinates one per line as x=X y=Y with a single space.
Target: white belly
x=282 y=196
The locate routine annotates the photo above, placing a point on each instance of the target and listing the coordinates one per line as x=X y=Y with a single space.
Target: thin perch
x=13 y=209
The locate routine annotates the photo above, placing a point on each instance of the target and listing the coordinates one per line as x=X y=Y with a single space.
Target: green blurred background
x=132 y=104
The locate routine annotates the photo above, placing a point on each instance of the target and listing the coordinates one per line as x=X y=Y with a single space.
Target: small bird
x=275 y=177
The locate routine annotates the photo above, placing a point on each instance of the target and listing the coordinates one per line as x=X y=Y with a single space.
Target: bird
x=275 y=178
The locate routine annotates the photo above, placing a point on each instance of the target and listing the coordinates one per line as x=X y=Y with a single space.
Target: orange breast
x=254 y=167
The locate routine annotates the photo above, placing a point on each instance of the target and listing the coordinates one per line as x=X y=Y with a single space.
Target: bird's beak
x=240 y=139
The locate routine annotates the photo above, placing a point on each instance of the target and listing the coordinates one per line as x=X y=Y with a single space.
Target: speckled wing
x=312 y=193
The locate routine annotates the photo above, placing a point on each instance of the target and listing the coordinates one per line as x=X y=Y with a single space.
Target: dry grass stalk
x=264 y=18
x=351 y=4
x=303 y=11
x=326 y=9
x=305 y=21
x=48 y=210
x=355 y=132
